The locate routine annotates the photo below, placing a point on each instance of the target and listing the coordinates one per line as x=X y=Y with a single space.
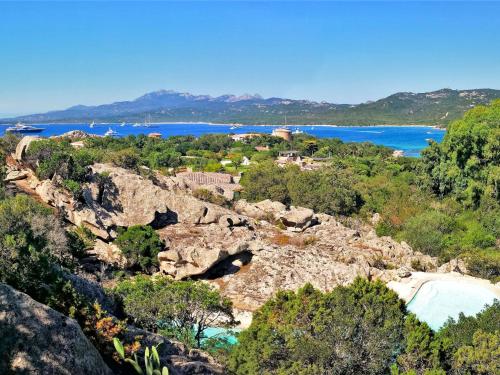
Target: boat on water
x=22 y=128
x=235 y=126
x=110 y=133
x=297 y=131
x=122 y=124
x=92 y=124
x=145 y=124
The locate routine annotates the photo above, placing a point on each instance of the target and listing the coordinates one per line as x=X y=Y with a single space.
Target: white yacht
x=110 y=133
x=92 y=124
x=122 y=124
x=297 y=131
x=22 y=128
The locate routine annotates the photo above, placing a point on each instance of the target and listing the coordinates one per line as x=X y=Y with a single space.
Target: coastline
x=437 y=127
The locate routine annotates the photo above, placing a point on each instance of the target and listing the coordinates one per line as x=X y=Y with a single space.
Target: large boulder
x=195 y=249
x=38 y=340
x=108 y=253
x=129 y=199
x=297 y=218
x=117 y=197
x=23 y=146
x=266 y=209
x=294 y=218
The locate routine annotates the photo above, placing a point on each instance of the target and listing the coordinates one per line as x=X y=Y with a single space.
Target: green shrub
x=208 y=196
x=140 y=244
x=428 y=232
x=34 y=253
x=127 y=158
x=350 y=330
x=177 y=309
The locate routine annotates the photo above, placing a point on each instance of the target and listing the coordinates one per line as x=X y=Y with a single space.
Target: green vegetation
x=353 y=330
x=179 y=309
x=34 y=252
x=361 y=329
x=327 y=190
x=152 y=365
x=140 y=244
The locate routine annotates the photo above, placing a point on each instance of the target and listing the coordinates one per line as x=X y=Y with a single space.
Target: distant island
x=404 y=108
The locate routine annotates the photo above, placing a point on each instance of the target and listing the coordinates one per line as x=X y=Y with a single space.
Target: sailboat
x=92 y=124
x=122 y=124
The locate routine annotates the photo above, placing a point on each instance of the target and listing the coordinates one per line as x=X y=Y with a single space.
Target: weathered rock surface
x=126 y=199
x=15 y=175
x=22 y=147
x=38 y=340
x=325 y=255
x=295 y=218
x=108 y=253
x=194 y=249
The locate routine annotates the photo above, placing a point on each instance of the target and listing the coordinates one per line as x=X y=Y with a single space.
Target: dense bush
x=467 y=162
x=428 y=232
x=266 y=181
x=34 y=251
x=208 y=196
x=328 y=190
x=362 y=329
x=140 y=244
x=178 y=309
x=351 y=330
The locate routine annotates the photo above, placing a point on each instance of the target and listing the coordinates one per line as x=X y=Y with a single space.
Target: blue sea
x=410 y=139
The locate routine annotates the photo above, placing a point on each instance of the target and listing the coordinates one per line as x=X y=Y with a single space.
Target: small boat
x=297 y=131
x=110 y=133
x=137 y=125
x=92 y=124
x=122 y=124
x=235 y=126
x=21 y=128
x=312 y=127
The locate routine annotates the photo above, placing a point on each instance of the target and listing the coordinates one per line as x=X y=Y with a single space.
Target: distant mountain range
x=404 y=108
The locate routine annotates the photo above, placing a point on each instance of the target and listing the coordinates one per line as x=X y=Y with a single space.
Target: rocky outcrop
x=325 y=255
x=23 y=146
x=38 y=340
x=108 y=253
x=296 y=219
x=193 y=250
x=15 y=175
x=116 y=197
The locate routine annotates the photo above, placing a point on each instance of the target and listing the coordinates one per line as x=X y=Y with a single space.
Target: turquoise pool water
x=437 y=300
x=222 y=333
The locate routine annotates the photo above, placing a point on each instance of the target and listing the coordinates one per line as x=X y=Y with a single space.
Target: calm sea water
x=410 y=139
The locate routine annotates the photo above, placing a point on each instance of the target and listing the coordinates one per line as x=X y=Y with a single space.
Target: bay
x=410 y=139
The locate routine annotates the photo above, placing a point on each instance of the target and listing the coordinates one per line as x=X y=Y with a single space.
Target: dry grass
x=282 y=239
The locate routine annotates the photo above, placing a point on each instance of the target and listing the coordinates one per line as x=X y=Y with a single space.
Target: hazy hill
x=437 y=108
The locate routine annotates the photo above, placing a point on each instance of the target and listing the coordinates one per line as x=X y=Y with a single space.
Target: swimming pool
x=436 y=300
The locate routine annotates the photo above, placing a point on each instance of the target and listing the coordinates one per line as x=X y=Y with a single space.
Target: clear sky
x=54 y=55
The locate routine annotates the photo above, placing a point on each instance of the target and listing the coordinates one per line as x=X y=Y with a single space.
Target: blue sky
x=54 y=55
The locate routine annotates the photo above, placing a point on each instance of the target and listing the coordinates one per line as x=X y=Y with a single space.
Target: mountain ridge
x=403 y=108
